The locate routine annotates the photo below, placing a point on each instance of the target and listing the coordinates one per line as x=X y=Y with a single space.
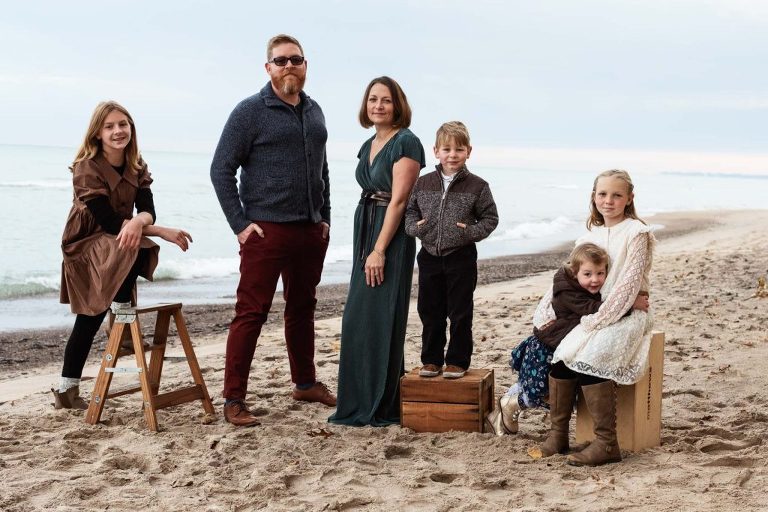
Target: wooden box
x=638 y=407
x=436 y=404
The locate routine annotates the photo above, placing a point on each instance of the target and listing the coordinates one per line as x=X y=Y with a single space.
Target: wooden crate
x=439 y=405
x=638 y=407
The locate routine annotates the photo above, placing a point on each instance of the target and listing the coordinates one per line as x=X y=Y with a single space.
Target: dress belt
x=370 y=200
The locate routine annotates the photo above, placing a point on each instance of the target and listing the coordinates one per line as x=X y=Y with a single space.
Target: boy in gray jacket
x=449 y=210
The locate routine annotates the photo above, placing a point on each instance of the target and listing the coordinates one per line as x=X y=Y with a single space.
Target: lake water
x=537 y=210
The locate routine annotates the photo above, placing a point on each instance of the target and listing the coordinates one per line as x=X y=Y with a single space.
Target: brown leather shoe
x=317 y=393
x=454 y=372
x=237 y=413
x=430 y=370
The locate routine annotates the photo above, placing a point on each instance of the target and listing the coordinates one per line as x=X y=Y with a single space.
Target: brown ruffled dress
x=94 y=268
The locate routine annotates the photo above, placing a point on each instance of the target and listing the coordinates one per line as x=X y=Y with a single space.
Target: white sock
x=116 y=306
x=513 y=390
x=67 y=382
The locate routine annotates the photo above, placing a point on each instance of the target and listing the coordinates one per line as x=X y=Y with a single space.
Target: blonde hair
x=454 y=131
x=91 y=145
x=595 y=217
x=586 y=252
x=282 y=39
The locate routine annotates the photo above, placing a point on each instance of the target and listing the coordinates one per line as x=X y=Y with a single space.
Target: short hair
x=454 y=131
x=586 y=252
x=282 y=39
x=595 y=217
x=402 y=114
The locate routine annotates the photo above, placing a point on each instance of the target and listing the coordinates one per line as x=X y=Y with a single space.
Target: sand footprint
x=395 y=451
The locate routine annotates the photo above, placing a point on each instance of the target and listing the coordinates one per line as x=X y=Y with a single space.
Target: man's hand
x=244 y=234
x=326 y=230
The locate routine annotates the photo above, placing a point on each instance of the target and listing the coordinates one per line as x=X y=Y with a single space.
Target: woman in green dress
x=373 y=327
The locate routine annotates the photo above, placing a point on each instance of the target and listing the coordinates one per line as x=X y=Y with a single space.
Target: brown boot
x=69 y=399
x=237 y=413
x=601 y=402
x=562 y=395
x=319 y=392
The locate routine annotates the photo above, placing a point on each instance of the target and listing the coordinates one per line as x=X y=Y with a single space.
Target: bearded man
x=281 y=215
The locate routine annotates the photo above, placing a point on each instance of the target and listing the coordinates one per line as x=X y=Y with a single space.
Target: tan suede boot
x=509 y=412
x=562 y=395
x=502 y=420
x=69 y=399
x=601 y=402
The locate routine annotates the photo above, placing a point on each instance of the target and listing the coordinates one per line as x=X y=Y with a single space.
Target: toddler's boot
x=502 y=420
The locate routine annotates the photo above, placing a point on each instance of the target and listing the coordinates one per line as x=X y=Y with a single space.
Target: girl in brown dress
x=105 y=246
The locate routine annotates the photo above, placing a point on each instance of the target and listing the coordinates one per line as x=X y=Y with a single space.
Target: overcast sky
x=671 y=81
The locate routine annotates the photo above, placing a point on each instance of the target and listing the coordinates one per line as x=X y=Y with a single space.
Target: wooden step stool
x=149 y=377
x=435 y=404
x=638 y=406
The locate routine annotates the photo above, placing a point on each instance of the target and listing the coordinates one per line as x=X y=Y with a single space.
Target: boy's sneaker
x=453 y=372
x=430 y=370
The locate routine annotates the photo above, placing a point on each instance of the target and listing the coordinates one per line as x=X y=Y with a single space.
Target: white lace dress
x=606 y=344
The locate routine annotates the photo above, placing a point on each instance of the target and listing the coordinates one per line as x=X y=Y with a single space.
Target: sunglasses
x=296 y=60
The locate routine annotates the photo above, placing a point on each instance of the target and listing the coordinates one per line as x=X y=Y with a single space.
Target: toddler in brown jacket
x=575 y=293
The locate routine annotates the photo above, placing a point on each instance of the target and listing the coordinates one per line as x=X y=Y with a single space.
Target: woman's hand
x=176 y=236
x=374 y=268
x=461 y=225
x=129 y=236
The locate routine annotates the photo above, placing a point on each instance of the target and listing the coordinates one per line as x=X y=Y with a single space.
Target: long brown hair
x=595 y=217
x=91 y=145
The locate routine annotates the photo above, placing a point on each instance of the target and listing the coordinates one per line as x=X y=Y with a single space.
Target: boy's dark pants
x=446 y=288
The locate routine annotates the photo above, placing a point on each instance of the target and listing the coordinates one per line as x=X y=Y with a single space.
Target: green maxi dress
x=373 y=326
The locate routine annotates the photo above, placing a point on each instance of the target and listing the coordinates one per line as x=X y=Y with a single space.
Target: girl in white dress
x=606 y=347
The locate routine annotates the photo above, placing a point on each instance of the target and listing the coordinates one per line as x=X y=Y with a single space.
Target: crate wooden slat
x=436 y=404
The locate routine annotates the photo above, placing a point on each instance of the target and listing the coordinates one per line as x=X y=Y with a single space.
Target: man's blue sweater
x=284 y=176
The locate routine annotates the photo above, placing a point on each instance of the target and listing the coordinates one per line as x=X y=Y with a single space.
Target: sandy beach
x=714 y=417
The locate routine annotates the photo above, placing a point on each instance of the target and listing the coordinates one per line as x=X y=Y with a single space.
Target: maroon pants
x=296 y=252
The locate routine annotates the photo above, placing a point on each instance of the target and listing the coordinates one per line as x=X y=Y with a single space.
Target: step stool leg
x=194 y=367
x=156 y=358
x=146 y=387
x=104 y=379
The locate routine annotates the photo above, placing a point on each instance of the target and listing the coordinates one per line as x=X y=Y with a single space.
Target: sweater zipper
x=440 y=211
